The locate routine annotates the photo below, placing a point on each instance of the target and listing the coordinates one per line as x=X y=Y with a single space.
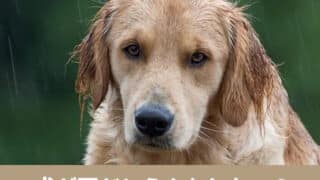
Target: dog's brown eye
x=132 y=51
x=197 y=59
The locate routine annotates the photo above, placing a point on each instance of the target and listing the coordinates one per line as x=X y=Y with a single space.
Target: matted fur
x=233 y=110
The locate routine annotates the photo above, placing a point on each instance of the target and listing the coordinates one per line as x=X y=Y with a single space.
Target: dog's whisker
x=205 y=141
x=116 y=118
x=210 y=123
x=203 y=133
x=213 y=145
x=214 y=130
x=120 y=109
x=116 y=111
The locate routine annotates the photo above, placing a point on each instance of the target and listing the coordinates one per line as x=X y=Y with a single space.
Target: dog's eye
x=132 y=51
x=197 y=59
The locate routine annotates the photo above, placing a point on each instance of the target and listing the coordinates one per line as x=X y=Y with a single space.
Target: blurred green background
x=40 y=118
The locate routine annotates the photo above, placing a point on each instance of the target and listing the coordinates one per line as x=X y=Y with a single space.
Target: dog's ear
x=93 y=71
x=248 y=75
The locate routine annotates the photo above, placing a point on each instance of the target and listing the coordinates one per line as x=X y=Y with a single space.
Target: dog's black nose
x=153 y=120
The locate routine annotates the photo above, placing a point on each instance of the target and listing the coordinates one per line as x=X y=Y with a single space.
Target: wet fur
x=248 y=120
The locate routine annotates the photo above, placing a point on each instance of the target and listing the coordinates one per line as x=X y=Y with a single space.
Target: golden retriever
x=185 y=82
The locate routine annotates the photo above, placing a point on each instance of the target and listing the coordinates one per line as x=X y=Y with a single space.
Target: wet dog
x=185 y=82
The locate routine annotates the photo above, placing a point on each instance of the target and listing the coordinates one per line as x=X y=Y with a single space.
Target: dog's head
x=173 y=62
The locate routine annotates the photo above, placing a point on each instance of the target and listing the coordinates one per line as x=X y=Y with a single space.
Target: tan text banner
x=157 y=173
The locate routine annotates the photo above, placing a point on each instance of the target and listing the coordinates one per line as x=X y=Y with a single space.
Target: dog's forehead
x=177 y=15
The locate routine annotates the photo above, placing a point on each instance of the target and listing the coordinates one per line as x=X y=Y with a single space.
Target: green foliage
x=40 y=116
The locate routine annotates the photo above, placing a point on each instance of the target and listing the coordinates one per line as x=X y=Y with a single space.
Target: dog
x=185 y=82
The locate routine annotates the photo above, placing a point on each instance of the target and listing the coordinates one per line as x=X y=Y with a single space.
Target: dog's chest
x=255 y=144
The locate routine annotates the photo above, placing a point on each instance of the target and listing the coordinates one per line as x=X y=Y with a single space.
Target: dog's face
x=168 y=59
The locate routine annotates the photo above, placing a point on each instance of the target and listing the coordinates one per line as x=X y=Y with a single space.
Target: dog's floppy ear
x=248 y=75
x=93 y=71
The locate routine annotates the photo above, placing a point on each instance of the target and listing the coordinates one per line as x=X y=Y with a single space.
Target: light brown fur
x=231 y=110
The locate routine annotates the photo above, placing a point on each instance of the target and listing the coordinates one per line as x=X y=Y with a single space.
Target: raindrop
x=13 y=66
x=16 y=2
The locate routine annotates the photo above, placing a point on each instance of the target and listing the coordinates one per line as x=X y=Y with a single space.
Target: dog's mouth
x=154 y=144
